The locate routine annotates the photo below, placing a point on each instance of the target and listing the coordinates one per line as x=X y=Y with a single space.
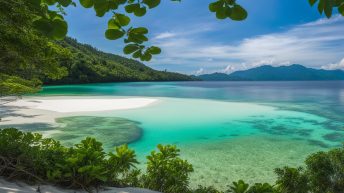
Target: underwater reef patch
x=334 y=137
x=111 y=131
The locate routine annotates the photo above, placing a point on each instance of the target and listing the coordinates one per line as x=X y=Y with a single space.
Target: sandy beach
x=84 y=105
x=47 y=109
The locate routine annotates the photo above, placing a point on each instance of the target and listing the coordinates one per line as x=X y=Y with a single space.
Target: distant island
x=90 y=65
x=293 y=72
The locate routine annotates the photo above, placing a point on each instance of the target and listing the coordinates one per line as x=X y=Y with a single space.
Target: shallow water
x=227 y=130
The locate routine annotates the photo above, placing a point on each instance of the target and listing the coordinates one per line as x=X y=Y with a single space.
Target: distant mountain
x=90 y=65
x=282 y=73
x=218 y=77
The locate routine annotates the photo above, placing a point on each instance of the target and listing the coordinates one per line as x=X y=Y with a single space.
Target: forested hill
x=89 y=65
x=293 y=72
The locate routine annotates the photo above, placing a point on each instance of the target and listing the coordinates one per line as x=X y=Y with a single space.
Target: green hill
x=293 y=72
x=89 y=65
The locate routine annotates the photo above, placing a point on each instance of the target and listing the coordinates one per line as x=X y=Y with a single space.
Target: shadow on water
x=30 y=127
x=13 y=111
x=111 y=131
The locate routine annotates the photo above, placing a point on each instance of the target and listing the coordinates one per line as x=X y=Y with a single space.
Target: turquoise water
x=227 y=130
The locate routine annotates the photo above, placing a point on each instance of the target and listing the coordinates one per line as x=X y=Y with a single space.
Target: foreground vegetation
x=34 y=159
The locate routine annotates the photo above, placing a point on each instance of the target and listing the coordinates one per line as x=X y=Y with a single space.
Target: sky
x=193 y=41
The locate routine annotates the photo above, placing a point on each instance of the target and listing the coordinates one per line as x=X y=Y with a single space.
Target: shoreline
x=79 y=104
x=46 y=109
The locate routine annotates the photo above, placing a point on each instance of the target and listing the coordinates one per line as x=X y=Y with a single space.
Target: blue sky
x=277 y=32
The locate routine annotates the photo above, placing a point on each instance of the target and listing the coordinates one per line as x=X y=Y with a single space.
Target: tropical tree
x=25 y=55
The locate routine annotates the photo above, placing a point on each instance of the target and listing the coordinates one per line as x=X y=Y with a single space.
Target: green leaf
x=154 y=50
x=65 y=3
x=132 y=7
x=151 y=3
x=87 y=3
x=112 y=5
x=321 y=6
x=138 y=38
x=230 y=2
x=140 y=12
x=146 y=56
x=56 y=29
x=238 y=13
x=43 y=25
x=328 y=8
x=49 y=2
x=123 y=20
x=139 y=30
x=101 y=7
x=114 y=34
x=229 y=12
x=130 y=48
x=113 y=24
x=312 y=2
x=60 y=29
x=213 y=7
x=221 y=13
x=341 y=9
x=137 y=54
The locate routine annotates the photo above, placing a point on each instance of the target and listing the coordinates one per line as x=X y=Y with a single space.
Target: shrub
x=28 y=156
x=242 y=187
x=119 y=166
x=84 y=165
x=325 y=171
x=261 y=188
x=166 y=172
x=238 y=187
x=292 y=180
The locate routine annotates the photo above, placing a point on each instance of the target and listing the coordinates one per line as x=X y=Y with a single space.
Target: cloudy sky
x=277 y=32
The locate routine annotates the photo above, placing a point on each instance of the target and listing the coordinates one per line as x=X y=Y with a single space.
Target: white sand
x=19 y=187
x=84 y=105
x=31 y=110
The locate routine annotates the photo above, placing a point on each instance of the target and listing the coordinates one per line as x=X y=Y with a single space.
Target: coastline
x=47 y=109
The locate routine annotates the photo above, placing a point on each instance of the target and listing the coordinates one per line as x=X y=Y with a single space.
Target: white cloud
x=164 y=35
x=312 y=44
x=192 y=30
x=229 y=69
x=334 y=66
x=199 y=71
